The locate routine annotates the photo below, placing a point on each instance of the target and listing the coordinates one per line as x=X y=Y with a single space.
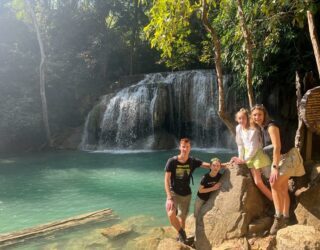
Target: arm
x=202 y=189
x=254 y=145
x=225 y=164
x=276 y=143
x=167 y=178
x=275 y=139
x=239 y=142
x=205 y=165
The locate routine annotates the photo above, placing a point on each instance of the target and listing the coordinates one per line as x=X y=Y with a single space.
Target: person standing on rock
x=286 y=162
x=178 y=172
x=209 y=183
x=250 y=152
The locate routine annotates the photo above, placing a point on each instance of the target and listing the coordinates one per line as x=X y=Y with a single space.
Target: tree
x=314 y=39
x=168 y=31
x=42 y=72
x=215 y=40
x=170 y=28
x=261 y=27
x=297 y=12
x=248 y=44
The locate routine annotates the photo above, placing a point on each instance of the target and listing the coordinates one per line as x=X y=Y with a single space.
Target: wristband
x=169 y=198
x=275 y=167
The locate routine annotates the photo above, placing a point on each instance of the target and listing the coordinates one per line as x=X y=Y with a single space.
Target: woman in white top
x=250 y=152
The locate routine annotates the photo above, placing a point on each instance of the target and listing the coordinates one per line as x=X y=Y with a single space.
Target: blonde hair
x=246 y=113
x=214 y=160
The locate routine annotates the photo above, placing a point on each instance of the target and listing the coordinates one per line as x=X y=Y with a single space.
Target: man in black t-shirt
x=178 y=172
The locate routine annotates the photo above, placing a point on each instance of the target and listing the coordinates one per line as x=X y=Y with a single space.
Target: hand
x=216 y=186
x=233 y=159
x=169 y=205
x=274 y=175
x=237 y=160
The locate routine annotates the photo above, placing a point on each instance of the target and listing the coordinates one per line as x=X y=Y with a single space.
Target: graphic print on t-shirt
x=182 y=171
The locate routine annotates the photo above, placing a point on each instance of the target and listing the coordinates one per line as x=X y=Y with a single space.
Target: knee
x=172 y=214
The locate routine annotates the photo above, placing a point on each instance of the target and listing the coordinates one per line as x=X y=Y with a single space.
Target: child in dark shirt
x=209 y=183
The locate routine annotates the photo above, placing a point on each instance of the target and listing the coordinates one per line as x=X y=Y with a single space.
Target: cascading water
x=155 y=112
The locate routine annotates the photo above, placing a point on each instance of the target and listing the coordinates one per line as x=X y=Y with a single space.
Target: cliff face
x=156 y=111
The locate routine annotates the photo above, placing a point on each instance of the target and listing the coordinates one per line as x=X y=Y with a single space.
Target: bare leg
x=182 y=222
x=174 y=220
x=259 y=183
x=281 y=203
x=285 y=194
x=280 y=194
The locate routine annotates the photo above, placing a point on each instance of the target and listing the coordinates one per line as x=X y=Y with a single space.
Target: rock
x=308 y=208
x=163 y=140
x=190 y=225
x=151 y=238
x=69 y=139
x=311 y=178
x=266 y=243
x=315 y=173
x=145 y=242
x=85 y=240
x=239 y=244
x=171 y=244
x=229 y=211
x=259 y=226
x=116 y=231
x=298 y=237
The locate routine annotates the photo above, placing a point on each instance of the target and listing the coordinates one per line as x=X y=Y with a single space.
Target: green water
x=44 y=187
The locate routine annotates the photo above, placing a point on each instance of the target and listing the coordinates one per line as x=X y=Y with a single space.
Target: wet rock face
x=116 y=231
x=228 y=212
x=181 y=104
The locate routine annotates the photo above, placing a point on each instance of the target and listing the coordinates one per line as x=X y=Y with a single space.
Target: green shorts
x=259 y=160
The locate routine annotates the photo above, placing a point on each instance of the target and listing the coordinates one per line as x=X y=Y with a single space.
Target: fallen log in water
x=19 y=236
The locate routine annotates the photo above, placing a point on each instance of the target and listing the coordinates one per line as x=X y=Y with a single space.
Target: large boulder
x=229 y=211
x=116 y=231
x=308 y=209
x=298 y=237
x=239 y=244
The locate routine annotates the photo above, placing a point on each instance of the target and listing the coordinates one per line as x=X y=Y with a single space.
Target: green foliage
x=169 y=31
x=19 y=7
x=271 y=24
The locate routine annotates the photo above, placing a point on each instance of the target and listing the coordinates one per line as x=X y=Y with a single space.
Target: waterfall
x=155 y=112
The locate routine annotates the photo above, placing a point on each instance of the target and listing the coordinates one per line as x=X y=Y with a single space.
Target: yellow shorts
x=259 y=160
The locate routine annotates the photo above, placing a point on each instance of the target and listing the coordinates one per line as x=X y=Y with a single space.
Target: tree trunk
x=299 y=138
x=42 y=74
x=45 y=229
x=314 y=39
x=221 y=112
x=248 y=44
